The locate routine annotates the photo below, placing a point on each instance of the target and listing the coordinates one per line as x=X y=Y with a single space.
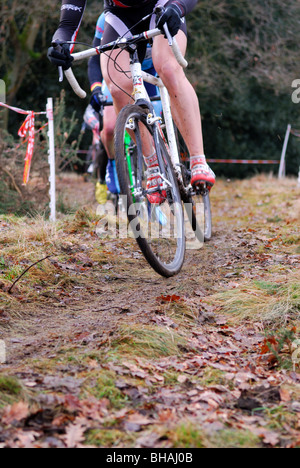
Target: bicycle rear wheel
x=158 y=229
x=199 y=215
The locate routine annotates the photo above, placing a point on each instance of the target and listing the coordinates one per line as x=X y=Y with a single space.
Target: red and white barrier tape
x=27 y=127
x=244 y=161
x=296 y=133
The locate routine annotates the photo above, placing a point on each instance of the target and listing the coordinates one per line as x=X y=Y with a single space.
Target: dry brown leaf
x=182 y=378
x=167 y=415
x=74 y=435
x=270 y=438
x=135 y=370
x=211 y=398
x=26 y=439
x=139 y=419
x=284 y=394
x=16 y=412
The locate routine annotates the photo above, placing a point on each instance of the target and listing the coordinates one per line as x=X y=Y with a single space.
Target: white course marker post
x=281 y=173
x=51 y=160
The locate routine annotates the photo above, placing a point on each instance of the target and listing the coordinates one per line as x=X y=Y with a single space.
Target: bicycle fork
x=141 y=98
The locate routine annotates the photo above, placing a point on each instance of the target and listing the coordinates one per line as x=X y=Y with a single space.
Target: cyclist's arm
x=70 y=20
x=72 y=13
x=185 y=6
x=94 y=69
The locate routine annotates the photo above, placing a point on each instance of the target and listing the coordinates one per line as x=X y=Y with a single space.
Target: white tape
x=2 y=352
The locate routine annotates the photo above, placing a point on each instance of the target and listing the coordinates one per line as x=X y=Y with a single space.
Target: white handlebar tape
x=74 y=83
x=178 y=55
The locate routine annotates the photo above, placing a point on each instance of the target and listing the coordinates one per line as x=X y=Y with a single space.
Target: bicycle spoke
x=158 y=228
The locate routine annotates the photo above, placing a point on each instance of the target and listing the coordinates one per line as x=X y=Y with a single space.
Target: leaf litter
x=129 y=359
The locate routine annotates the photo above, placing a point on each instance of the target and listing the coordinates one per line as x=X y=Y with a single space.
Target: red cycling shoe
x=154 y=180
x=202 y=174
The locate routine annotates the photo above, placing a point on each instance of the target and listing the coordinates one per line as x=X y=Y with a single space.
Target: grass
x=102 y=385
x=230 y=438
x=24 y=241
x=147 y=341
x=11 y=390
x=109 y=438
x=291 y=239
x=274 y=302
x=247 y=288
x=213 y=377
x=28 y=230
x=187 y=435
x=279 y=417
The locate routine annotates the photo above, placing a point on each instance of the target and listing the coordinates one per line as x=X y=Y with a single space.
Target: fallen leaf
x=30 y=384
x=26 y=439
x=147 y=440
x=135 y=370
x=74 y=435
x=172 y=298
x=135 y=421
x=182 y=378
x=16 y=412
x=284 y=394
x=211 y=398
x=270 y=438
x=167 y=415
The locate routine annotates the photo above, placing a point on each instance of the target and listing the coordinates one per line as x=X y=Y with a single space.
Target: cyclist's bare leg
x=184 y=101
x=119 y=84
x=107 y=134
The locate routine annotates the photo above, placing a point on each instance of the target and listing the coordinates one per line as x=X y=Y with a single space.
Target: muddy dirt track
x=103 y=352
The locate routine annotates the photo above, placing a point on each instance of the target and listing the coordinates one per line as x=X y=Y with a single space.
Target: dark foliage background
x=243 y=57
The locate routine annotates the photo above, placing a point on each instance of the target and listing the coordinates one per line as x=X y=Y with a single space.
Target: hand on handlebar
x=171 y=17
x=97 y=100
x=59 y=55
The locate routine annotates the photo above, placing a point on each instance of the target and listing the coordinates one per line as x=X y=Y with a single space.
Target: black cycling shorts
x=126 y=22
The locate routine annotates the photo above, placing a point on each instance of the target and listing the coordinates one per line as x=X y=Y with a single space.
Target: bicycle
x=158 y=230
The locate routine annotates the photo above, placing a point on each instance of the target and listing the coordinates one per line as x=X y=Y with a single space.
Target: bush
x=34 y=197
x=14 y=197
x=243 y=58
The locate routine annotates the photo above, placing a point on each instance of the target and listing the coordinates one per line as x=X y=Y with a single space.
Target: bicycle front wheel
x=158 y=229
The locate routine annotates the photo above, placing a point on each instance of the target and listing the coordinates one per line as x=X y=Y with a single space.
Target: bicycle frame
x=139 y=92
x=143 y=126
x=165 y=100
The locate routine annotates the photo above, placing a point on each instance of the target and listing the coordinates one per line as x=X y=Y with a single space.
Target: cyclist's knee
x=118 y=92
x=171 y=74
x=108 y=131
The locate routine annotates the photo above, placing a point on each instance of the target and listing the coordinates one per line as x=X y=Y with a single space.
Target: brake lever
x=159 y=11
x=60 y=74
x=60 y=69
x=168 y=35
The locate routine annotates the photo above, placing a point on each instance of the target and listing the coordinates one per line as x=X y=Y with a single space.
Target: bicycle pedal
x=202 y=188
x=154 y=190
